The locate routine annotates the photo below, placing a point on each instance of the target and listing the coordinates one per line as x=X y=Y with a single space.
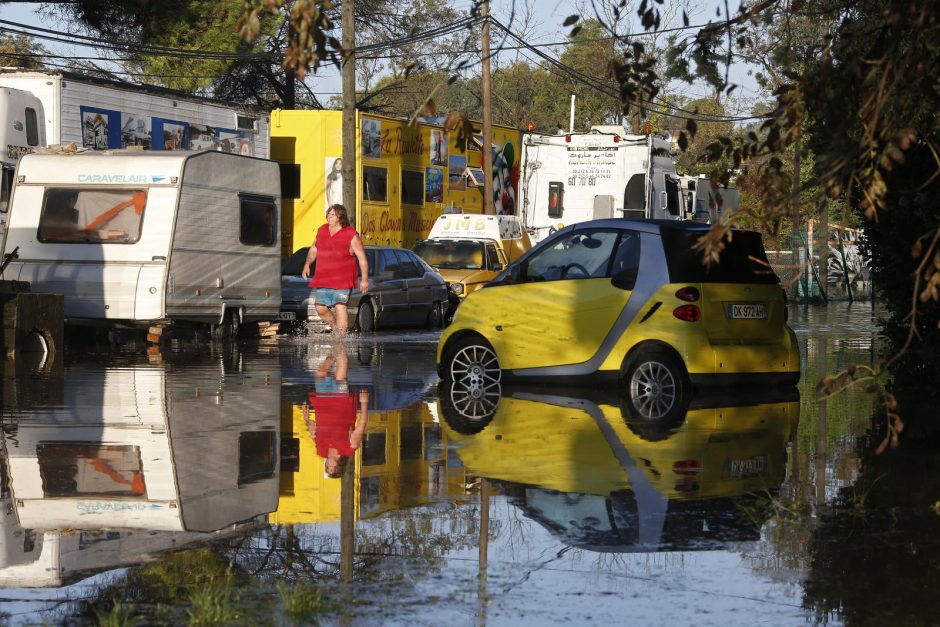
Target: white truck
x=601 y=173
x=702 y=204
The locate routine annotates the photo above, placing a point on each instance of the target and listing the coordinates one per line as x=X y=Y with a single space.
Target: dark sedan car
x=403 y=291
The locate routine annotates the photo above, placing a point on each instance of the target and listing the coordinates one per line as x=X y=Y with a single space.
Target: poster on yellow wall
x=333 y=186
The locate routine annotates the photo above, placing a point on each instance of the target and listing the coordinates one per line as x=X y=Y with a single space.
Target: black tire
x=365 y=318
x=465 y=413
x=435 y=317
x=656 y=388
x=228 y=330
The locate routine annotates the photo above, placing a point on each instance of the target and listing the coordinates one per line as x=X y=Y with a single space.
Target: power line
x=607 y=89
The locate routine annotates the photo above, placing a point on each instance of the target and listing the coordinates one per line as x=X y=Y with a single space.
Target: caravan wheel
x=229 y=327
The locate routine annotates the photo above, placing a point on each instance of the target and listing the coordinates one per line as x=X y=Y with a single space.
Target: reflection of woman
x=334 y=184
x=337 y=430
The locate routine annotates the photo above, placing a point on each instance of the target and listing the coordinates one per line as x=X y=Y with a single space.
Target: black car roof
x=644 y=225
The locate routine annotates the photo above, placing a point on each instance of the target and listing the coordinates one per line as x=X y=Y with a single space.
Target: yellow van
x=471 y=249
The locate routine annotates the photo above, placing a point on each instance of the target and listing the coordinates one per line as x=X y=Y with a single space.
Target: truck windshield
x=92 y=216
x=451 y=254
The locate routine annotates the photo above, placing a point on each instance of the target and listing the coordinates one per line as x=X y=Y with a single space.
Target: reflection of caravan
x=139 y=447
x=602 y=173
x=605 y=482
x=136 y=238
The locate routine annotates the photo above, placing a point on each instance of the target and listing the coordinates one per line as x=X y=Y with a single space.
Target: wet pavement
x=193 y=486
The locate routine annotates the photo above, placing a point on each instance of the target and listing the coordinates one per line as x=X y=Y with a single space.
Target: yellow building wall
x=407 y=175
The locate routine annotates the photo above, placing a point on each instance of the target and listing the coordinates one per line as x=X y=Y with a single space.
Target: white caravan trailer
x=135 y=238
x=188 y=447
x=601 y=173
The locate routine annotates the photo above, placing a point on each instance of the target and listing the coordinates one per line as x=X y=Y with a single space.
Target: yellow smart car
x=629 y=301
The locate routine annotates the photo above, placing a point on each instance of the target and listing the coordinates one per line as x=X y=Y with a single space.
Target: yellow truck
x=469 y=250
x=407 y=175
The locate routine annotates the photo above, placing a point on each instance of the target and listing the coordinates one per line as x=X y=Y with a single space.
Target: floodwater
x=191 y=486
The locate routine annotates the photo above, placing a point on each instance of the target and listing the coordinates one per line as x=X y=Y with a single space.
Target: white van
x=135 y=238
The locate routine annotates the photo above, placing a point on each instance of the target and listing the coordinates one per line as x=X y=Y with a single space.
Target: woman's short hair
x=341 y=214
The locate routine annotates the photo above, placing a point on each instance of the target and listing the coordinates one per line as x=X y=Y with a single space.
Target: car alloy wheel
x=474 y=368
x=656 y=386
x=653 y=389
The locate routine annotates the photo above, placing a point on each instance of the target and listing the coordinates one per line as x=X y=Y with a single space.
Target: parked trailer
x=134 y=238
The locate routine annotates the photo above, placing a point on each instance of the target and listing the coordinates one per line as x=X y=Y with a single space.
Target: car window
x=492 y=258
x=388 y=263
x=626 y=261
x=408 y=269
x=294 y=265
x=451 y=254
x=577 y=255
x=742 y=260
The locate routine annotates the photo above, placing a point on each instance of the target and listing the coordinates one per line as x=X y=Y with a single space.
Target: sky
x=546 y=27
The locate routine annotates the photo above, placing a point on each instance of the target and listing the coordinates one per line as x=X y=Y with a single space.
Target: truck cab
x=469 y=250
x=22 y=129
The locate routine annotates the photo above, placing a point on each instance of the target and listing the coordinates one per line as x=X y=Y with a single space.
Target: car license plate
x=285 y=315
x=744 y=311
x=745 y=468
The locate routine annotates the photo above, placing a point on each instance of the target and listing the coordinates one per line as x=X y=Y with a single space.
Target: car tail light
x=616 y=139
x=689 y=313
x=687 y=467
x=688 y=294
x=568 y=138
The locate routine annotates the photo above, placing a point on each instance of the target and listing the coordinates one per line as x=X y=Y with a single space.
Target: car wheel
x=467 y=412
x=656 y=386
x=471 y=365
x=435 y=317
x=365 y=319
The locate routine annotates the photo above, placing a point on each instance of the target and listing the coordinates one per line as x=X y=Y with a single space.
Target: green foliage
x=120 y=615
x=214 y=603
x=302 y=601
x=21 y=51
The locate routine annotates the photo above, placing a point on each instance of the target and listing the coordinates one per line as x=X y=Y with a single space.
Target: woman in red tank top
x=336 y=249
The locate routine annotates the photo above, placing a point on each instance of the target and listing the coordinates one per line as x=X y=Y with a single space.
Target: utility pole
x=488 y=206
x=349 y=111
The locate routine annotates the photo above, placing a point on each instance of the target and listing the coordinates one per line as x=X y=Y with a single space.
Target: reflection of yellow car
x=627 y=300
x=584 y=445
x=591 y=474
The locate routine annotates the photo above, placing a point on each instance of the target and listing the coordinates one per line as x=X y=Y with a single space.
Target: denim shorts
x=329 y=385
x=329 y=297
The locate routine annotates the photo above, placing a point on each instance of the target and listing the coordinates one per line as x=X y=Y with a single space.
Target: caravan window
x=70 y=469
x=92 y=216
x=257 y=220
